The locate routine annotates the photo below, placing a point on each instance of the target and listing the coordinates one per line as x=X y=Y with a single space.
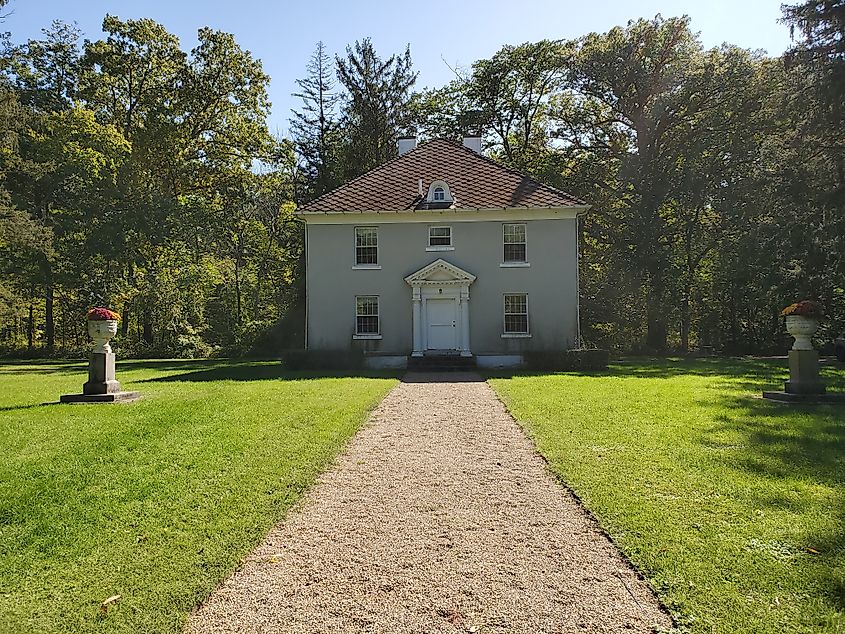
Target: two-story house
x=442 y=251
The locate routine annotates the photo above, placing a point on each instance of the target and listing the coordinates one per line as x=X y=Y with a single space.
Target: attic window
x=438 y=192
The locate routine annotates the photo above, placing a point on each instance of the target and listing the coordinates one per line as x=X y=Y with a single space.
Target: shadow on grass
x=13 y=408
x=783 y=443
x=21 y=368
x=248 y=371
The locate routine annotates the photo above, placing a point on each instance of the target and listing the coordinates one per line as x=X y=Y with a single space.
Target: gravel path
x=438 y=517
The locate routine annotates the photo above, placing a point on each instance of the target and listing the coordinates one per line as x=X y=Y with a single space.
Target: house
x=442 y=251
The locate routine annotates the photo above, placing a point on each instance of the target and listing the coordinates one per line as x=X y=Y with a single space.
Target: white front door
x=441 y=317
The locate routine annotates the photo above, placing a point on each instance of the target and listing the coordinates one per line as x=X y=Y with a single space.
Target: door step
x=441 y=363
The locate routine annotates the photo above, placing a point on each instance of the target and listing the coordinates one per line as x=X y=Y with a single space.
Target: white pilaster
x=418 y=350
x=465 y=351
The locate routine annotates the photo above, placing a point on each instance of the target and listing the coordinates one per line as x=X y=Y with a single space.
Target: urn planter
x=102 y=386
x=101 y=332
x=802 y=329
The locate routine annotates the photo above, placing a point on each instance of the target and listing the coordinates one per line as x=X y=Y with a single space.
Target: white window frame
x=368 y=335
x=440 y=247
x=515 y=335
x=515 y=263
x=367 y=265
x=439 y=195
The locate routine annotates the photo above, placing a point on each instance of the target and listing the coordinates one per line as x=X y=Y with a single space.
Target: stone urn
x=102 y=331
x=802 y=328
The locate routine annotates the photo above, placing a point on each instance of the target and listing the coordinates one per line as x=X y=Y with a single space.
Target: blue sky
x=283 y=34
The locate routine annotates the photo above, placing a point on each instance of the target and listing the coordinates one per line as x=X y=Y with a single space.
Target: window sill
x=440 y=248
x=516 y=335
x=514 y=265
x=366 y=267
x=366 y=336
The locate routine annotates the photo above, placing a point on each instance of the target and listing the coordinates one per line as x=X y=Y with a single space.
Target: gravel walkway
x=439 y=517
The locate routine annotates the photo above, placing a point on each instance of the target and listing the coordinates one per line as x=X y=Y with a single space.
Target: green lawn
x=733 y=507
x=156 y=500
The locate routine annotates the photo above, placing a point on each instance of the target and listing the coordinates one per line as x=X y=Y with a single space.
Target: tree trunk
x=49 y=322
x=30 y=328
x=147 y=334
x=656 y=314
x=238 y=292
x=685 y=321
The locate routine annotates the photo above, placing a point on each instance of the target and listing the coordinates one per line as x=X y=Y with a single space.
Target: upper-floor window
x=439 y=194
x=514 y=243
x=366 y=245
x=440 y=236
x=516 y=314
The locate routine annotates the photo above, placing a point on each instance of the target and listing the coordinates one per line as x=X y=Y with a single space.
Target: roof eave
x=581 y=208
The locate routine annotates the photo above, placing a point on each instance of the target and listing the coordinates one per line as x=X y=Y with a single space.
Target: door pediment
x=440 y=272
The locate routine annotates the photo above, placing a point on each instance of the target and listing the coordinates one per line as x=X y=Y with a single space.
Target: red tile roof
x=475 y=182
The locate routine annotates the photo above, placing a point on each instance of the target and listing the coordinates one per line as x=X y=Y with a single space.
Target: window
x=440 y=236
x=439 y=195
x=366 y=245
x=516 y=314
x=366 y=315
x=514 y=243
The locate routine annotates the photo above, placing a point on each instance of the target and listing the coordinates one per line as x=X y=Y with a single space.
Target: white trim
x=366 y=267
x=459 y=277
x=454 y=286
x=355 y=243
x=516 y=335
x=439 y=247
x=502 y=214
x=514 y=265
x=368 y=335
x=307 y=296
x=447 y=194
x=524 y=242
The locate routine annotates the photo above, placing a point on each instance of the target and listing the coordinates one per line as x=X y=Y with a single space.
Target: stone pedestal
x=101 y=375
x=101 y=387
x=804 y=384
x=804 y=373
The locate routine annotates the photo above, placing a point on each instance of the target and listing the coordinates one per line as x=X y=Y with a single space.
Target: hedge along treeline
x=716 y=178
x=128 y=170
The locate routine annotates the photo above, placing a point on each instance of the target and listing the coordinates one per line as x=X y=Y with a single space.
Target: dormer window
x=439 y=194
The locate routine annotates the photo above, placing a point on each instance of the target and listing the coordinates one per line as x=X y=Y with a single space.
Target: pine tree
x=377 y=107
x=315 y=128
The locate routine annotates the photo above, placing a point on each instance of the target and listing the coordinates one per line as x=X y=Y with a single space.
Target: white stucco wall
x=550 y=282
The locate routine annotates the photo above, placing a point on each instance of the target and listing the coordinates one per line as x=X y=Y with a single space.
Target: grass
x=155 y=501
x=733 y=507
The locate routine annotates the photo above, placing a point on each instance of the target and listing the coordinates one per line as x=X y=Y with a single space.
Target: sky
x=441 y=33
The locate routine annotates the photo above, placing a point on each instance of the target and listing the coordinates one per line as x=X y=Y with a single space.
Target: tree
x=315 y=129
x=376 y=108
x=646 y=98
x=46 y=72
x=511 y=90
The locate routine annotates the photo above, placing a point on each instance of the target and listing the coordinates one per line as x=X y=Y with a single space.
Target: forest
x=141 y=176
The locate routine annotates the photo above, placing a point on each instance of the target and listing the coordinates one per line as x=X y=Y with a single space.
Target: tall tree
x=642 y=97
x=46 y=71
x=315 y=128
x=376 y=109
x=511 y=91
